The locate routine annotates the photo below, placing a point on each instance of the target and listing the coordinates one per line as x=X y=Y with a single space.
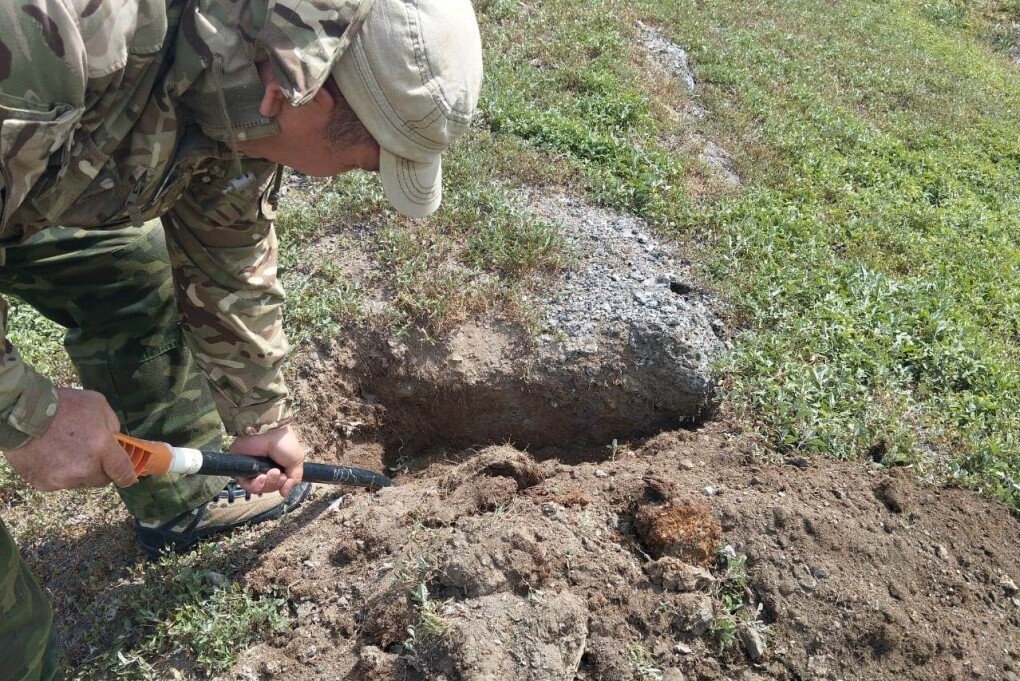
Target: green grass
x=872 y=258
x=176 y=610
x=482 y=252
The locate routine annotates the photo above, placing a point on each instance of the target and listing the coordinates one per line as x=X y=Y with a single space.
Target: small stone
x=818 y=667
x=683 y=649
x=708 y=491
x=272 y=667
x=754 y=642
x=217 y=579
x=941 y=552
x=307 y=654
x=551 y=509
x=839 y=494
x=695 y=613
x=1008 y=585
x=673 y=674
x=599 y=473
x=687 y=465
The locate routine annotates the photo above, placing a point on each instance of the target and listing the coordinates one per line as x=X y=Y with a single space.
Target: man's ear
x=273 y=100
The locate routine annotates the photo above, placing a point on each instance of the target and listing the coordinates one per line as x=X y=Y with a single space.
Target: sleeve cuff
x=256 y=418
x=31 y=413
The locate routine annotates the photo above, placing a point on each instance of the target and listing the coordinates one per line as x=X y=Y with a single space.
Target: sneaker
x=231 y=508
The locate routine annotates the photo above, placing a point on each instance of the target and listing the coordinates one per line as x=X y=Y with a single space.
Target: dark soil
x=599 y=562
x=625 y=563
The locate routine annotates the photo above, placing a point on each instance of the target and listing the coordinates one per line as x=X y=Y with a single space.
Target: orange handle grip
x=147 y=457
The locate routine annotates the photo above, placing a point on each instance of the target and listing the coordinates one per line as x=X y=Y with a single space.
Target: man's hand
x=78 y=449
x=282 y=446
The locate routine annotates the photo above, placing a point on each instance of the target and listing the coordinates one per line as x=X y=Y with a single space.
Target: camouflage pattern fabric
x=95 y=131
x=214 y=61
x=28 y=646
x=106 y=114
x=112 y=291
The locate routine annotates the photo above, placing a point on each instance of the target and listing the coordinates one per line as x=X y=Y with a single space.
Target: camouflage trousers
x=111 y=289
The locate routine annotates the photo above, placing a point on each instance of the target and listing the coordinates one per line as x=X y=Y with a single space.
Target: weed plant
x=178 y=609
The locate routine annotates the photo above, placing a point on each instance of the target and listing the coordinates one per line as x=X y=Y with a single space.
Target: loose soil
x=611 y=563
x=608 y=563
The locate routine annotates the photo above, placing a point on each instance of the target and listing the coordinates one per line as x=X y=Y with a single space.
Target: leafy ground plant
x=176 y=609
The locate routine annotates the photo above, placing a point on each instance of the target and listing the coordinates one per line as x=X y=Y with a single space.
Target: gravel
x=629 y=284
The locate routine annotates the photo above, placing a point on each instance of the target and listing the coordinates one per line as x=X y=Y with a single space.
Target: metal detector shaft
x=159 y=458
x=241 y=466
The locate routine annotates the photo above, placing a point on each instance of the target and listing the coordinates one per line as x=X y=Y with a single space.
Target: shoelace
x=233 y=491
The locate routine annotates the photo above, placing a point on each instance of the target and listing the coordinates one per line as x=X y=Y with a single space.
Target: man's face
x=302 y=143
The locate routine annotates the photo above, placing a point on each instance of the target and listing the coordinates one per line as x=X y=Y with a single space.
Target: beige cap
x=412 y=75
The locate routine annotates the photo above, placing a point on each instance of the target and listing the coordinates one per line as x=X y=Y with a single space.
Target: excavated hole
x=489 y=386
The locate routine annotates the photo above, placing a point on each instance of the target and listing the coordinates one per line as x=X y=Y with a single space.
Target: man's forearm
x=224 y=253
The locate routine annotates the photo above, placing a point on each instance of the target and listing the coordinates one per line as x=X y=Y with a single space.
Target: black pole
x=240 y=466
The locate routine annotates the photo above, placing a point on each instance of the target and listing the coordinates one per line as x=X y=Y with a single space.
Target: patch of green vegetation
x=946 y=13
x=730 y=592
x=643 y=663
x=560 y=78
x=177 y=610
x=40 y=342
x=481 y=252
x=873 y=257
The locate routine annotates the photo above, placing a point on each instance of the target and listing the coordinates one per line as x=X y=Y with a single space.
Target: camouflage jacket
x=115 y=111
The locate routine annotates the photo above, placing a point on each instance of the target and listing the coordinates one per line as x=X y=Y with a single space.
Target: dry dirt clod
x=818 y=667
x=695 y=613
x=508 y=638
x=754 y=642
x=891 y=492
x=672 y=574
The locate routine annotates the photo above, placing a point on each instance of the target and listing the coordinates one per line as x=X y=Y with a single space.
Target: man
x=115 y=113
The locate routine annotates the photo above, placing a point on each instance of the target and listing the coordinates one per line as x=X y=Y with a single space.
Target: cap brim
x=414 y=188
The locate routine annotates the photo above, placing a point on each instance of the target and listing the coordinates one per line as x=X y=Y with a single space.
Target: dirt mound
x=503 y=567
